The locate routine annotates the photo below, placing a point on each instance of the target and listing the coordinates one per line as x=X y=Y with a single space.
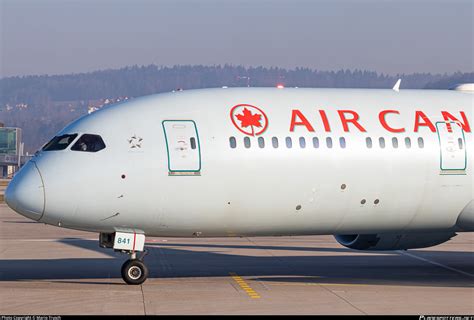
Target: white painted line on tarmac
x=437 y=264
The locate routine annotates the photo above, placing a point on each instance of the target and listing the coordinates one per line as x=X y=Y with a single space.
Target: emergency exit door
x=452 y=146
x=183 y=148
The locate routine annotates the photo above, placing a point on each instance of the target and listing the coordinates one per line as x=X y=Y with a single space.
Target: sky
x=401 y=36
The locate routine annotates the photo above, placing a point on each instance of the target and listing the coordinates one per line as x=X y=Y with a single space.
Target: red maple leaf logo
x=249 y=119
x=253 y=121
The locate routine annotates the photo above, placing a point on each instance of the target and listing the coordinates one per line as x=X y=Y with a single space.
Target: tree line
x=43 y=104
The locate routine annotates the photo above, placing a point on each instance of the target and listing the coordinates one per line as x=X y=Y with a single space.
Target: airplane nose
x=25 y=193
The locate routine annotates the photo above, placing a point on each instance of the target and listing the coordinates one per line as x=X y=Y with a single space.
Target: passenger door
x=452 y=146
x=183 y=147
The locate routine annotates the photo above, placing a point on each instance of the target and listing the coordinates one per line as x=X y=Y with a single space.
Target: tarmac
x=50 y=270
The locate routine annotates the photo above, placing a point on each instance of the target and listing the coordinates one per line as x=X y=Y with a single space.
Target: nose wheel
x=134 y=272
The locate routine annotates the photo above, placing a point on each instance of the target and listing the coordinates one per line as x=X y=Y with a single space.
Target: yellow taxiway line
x=244 y=286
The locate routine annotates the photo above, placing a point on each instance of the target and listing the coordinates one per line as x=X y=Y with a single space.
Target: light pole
x=245 y=77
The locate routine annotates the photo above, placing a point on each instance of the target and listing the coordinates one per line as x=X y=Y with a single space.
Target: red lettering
x=420 y=115
x=345 y=121
x=303 y=121
x=382 y=120
x=464 y=125
x=324 y=117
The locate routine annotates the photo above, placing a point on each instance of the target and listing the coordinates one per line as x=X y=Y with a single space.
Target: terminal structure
x=11 y=151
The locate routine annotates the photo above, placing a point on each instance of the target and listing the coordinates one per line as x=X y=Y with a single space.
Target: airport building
x=11 y=151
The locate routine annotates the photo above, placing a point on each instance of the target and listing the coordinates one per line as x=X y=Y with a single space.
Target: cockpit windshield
x=60 y=142
x=89 y=143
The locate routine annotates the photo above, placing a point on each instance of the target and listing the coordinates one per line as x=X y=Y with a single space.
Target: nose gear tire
x=134 y=272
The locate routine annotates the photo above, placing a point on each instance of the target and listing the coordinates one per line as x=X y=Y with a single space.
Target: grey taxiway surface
x=49 y=270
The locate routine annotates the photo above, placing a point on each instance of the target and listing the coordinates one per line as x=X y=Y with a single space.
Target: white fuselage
x=166 y=185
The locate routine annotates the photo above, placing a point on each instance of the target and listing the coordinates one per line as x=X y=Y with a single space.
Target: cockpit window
x=89 y=143
x=60 y=142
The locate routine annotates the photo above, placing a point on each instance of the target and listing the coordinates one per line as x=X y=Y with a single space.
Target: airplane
x=379 y=169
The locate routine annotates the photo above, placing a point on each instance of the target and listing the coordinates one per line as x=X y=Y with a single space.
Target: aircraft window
x=329 y=142
x=261 y=142
x=275 y=142
x=232 y=142
x=382 y=142
x=247 y=142
x=302 y=142
x=460 y=142
x=59 y=142
x=395 y=142
x=289 y=143
x=89 y=143
x=421 y=143
x=315 y=142
x=368 y=142
x=192 y=140
x=342 y=142
x=408 y=142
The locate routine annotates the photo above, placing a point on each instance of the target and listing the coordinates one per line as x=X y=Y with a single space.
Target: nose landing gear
x=134 y=271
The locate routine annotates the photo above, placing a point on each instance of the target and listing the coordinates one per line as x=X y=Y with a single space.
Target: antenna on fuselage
x=396 y=87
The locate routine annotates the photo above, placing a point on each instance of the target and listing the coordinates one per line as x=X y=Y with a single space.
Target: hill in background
x=42 y=105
